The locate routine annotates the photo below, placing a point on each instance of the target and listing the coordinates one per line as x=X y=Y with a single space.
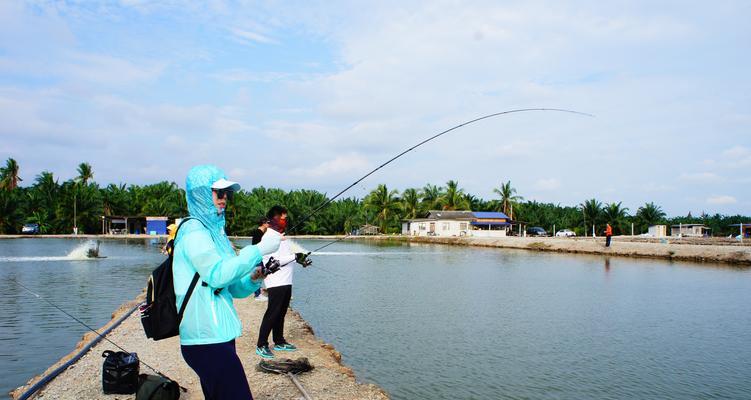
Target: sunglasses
x=220 y=193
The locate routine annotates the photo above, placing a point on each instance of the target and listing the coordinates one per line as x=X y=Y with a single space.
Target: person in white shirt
x=278 y=288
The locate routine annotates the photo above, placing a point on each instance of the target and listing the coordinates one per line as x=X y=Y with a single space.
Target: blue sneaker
x=264 y=352
x=285 y=347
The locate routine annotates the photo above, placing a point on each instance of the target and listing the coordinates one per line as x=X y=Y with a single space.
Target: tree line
x=54 y=206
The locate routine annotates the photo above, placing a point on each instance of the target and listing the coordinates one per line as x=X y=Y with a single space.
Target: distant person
x=167 y=249
x=210 y=324
x=279 y=288
x=256 y=236
x=608 y=234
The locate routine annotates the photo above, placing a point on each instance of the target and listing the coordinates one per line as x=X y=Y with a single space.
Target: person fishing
x=608 y=234
x=210 y=324
x=278 y=288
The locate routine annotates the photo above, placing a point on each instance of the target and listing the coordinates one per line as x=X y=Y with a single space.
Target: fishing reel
x=302 y=259
x=271 y=266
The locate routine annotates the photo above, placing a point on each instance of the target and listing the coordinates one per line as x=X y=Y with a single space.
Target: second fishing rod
x=328 y=201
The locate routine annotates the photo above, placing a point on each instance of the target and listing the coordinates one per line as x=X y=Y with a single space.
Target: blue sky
x=315 y=94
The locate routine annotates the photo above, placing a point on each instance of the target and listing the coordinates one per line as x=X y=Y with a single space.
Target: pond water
x=440 y=322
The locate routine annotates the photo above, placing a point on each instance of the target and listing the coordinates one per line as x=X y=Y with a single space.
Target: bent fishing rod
x=38 y=296
x=328 y=201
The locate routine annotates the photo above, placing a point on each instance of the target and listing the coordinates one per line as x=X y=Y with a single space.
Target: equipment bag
x=159 y=315
x=153 y=387
x=119 y=372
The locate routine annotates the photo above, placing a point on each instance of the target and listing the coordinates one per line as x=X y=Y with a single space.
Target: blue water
x=33 y=334
x=440 y=322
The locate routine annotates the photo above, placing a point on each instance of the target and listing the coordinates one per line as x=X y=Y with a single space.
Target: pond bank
x=329 y=380
x=668 y=248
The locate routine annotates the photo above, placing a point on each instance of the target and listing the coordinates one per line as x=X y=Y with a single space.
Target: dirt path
x=329 y=380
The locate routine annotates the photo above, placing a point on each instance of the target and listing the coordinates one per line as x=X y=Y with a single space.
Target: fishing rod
x=328 y=201
x=38 y=296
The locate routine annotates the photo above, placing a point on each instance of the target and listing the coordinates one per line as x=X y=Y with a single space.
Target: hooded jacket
x=204 y=247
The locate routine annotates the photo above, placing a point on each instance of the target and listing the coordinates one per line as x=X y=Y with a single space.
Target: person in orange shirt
x=608 y=234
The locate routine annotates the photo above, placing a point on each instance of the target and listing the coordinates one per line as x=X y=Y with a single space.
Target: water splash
x=88 y=250
x=85 y=251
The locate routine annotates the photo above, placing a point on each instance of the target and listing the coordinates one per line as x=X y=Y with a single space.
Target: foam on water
x=77 y=254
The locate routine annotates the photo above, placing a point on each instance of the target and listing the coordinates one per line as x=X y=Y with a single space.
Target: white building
x=689 y=230
x=458 y=223
x=658 y=231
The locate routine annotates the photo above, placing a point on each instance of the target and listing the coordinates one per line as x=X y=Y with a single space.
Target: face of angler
x=219 y=202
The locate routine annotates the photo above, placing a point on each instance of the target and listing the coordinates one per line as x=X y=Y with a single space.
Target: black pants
x=220 y=370
x=607 y=241
x=273 y=319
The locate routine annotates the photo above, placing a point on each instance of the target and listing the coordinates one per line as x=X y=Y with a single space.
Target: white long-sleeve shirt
x=285 y=273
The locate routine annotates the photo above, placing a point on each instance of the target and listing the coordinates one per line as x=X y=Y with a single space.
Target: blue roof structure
x=492 y=223
x=489 y=215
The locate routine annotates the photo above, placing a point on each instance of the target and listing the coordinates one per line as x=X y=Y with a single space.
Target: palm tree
x=430 y=195
x=615 y=215
x=453 y=198
x=592 y=210
x=85 y=173
x=474 y=203
x=410 y=203
x=9 y=175
x=384 y=203
x=508 y=198
x=649 y=214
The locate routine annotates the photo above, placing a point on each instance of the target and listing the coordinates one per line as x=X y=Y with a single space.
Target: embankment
x=700 y=250
x=329 y=380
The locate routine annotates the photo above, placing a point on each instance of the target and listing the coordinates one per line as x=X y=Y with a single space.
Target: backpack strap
x=187 y=297
x=195 y=277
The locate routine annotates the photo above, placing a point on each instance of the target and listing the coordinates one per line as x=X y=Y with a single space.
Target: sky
x=316 y=94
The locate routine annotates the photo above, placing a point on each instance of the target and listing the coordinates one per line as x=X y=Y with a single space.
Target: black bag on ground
x=159 y=315
x=119 y=372
x=154 y=387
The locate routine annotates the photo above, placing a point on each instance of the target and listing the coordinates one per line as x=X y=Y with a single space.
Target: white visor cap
x=224 y=184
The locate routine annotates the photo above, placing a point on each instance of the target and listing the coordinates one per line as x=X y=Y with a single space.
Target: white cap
x=224 y=184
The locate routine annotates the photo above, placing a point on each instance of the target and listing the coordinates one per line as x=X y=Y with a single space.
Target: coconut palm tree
x=384 y=203
x=9 y=175
x=508 y=198
x=429 y=196
x=649 y=214
x=615 y=215
x=85 y=173
x=453 y=198
x=592 y=210
x=410 y=203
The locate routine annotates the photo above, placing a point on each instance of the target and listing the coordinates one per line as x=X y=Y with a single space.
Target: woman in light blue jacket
x=210 y=324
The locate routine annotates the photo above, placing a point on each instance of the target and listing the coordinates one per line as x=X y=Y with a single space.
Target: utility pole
x=75 y=225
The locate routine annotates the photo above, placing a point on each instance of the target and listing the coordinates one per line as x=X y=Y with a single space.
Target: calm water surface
x=33 y=334
x=439 y=322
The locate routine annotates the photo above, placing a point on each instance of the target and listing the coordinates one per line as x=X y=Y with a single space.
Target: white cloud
x=349 y=163
x=547 y=184
x=250 y=36
x=701 y=177
x=718 y=200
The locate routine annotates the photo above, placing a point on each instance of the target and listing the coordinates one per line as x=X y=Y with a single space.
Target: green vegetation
x=54 y=206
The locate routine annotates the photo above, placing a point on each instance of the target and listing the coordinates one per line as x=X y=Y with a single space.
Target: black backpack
x=159 y=314
x=152 y=387
x=119 y=372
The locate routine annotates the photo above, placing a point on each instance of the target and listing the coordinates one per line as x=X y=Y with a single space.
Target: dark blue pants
x=220 y=370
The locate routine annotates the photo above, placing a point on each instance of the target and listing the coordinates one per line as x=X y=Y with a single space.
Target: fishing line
x=92 y=329
x=328 y=201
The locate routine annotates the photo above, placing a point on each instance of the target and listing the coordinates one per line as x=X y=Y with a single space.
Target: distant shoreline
x=703 y=250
